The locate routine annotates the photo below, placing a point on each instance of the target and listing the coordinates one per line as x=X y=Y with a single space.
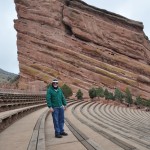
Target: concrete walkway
x=69 y=142
x=18 y=135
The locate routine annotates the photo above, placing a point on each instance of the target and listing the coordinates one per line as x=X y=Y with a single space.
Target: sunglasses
x=55 y=83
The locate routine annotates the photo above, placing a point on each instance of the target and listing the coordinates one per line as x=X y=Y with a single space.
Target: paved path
x=18 y=135
x=69 y=142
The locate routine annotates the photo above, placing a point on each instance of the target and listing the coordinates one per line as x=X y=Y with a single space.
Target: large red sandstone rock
x=81 y=45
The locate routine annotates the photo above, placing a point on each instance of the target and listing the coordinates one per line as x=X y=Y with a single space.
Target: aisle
x=69 y=142
x=18 y=135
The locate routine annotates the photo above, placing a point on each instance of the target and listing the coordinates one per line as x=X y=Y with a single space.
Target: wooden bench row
x=11 y=106
x=20 y=96
x=8 y=117
x=6 y=101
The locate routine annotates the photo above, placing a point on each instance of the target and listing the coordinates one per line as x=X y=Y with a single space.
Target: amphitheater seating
x=122 y=128
x=15 y=106
x=126 y=127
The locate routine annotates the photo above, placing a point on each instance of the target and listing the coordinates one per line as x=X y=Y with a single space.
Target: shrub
x=111 y=96
x=92 y=93
x=106 y=94
x=79 y=95
x=118 y=95
x=143 y=102
x=100 y=92
x=67 y=91
x=128 y=96
x=138 y=101
x=148 y=103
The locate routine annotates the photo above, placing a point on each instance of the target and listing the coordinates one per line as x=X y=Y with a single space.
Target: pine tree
x=118 y=95
x=128 y=96
x=92 y=93
x=138 y=100
x=79 y=95
x=111 y=96
x=148 y=103
x=99 y=92
x=106 y=94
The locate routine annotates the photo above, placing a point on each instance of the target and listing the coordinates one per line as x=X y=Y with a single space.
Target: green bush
x=92 y=93
x=67 y=91
x=148 y=103
x=143 y=102
x=106 y=92
x=138 y=101
x=79 y=94
x=118 y=95
x=128 y=96
x=111 y=96
x=108 y=95
x=100 y=92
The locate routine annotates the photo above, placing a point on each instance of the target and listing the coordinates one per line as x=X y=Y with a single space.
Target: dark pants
x=58 y=120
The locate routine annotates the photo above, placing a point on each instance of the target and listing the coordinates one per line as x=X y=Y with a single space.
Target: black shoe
x=58 y=136
x=64 y=134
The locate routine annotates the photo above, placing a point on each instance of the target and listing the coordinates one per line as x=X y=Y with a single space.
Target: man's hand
x=51 y=109
x=65 y=107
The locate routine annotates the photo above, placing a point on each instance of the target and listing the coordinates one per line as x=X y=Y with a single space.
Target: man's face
x=55 y=84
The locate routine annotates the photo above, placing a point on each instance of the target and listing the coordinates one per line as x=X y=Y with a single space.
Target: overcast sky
x=133 y=9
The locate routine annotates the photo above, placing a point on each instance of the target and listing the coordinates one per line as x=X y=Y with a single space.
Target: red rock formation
x=81 y=45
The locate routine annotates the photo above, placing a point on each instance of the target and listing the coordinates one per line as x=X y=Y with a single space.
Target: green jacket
x=55 y=98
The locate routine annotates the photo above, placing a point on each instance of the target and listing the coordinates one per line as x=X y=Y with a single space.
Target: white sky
x=133 y=9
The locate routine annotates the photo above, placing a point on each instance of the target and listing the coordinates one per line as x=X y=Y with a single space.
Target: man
x=57 y=104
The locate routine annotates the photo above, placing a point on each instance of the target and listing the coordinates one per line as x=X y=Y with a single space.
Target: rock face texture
x=81 y=45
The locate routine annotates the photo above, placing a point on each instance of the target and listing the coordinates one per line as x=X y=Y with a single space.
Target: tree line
x=100 y=92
